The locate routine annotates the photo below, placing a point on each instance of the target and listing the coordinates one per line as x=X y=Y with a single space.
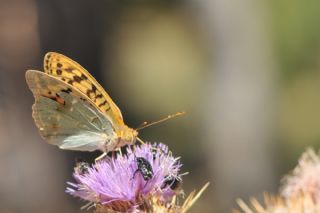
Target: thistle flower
x=300 y=191
x=278 y=204
x=133 y=182
x=305 y=178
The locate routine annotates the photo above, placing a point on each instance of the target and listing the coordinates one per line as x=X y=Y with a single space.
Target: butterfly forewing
x=75 y=75
x=65 y=117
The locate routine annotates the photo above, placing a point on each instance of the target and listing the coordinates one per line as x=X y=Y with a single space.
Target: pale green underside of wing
x=74 y=125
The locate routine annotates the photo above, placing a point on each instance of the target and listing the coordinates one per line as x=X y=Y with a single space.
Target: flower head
x=300 y=191
x=129 y=181
x=305 y=178
x=277 y=204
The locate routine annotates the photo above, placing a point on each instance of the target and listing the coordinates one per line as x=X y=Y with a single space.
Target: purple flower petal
x=113 y=180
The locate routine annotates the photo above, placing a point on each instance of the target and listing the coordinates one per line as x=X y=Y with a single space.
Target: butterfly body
x=73 y=111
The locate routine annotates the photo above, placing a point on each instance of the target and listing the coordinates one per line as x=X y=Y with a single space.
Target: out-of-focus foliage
x=296 y=36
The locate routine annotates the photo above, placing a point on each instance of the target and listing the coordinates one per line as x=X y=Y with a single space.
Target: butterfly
x=73 y=111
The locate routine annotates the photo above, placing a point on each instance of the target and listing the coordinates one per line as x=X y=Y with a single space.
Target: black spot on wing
x=108 y=109
x=84 y=76
x=103 y=103
x=99 y=96
x=59 y=72
x=88 y=93
x=67 y=90
x=77 y=78
x=68 y=69
x=94 y=88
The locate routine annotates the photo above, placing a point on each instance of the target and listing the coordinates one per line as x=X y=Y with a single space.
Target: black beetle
x=173 y=182
x=82 y=167
x=144 y=167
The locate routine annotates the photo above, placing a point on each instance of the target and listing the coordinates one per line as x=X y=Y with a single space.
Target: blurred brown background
x=247 y=73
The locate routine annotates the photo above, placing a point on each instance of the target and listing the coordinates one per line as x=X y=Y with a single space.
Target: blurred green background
x=247 y=73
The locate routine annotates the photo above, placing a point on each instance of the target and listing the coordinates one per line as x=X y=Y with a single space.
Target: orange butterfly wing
x=72 y=73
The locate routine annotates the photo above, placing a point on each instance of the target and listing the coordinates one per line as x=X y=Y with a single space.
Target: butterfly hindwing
x=75 y=75
x=65 y=117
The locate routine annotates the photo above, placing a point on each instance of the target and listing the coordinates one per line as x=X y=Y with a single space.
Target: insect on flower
x=74 y=112
x=159 y=149
x=82 y=167
x=109 y=182
x=144 y=167
x=173 y=182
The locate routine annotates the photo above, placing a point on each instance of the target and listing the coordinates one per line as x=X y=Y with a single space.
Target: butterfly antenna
x=142 y=125
x=146 y=124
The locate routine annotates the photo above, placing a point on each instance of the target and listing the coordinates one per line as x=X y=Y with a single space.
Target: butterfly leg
x=112 y=155
x=141 y=141
x=146 y=183
x=100 y=157
x=120 y=152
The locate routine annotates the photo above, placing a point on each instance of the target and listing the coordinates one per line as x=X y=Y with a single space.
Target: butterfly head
x=127 y=136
